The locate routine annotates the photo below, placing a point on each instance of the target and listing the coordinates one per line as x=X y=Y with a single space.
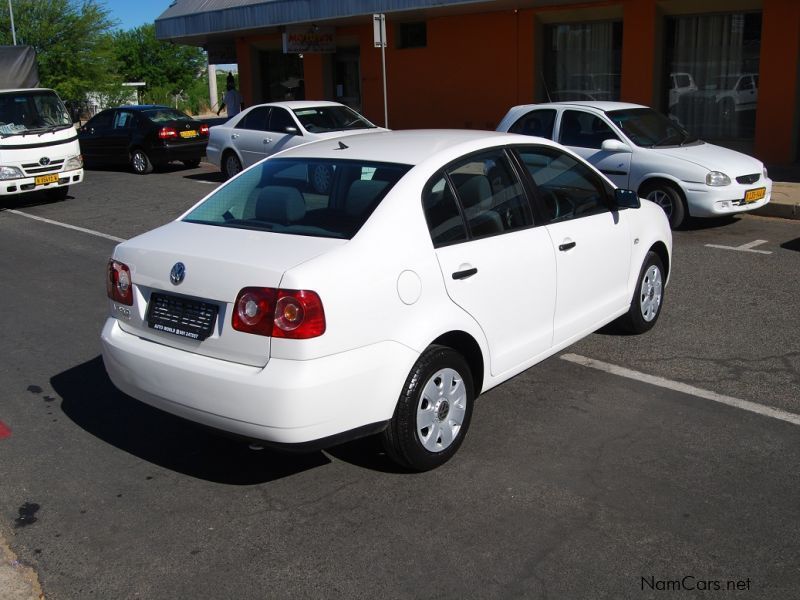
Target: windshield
x=646 y=127
x=32 y=112
x=320 y=198
x=318 y=119
x=164 y=114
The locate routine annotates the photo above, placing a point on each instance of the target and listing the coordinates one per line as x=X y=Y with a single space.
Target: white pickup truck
x=39 y=147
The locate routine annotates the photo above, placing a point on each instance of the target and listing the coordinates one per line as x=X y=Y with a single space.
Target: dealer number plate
x=187 y=318
x=755 y=195
x=44 y=179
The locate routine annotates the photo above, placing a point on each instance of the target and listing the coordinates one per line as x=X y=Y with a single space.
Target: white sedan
x=265 y=129
x=641 y=149
x=438 y=265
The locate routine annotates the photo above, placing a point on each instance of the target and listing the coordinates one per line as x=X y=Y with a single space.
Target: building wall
x=476 y=66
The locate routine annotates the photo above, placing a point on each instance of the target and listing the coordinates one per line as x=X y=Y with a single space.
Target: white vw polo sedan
x=438 y=265
x=641 y=149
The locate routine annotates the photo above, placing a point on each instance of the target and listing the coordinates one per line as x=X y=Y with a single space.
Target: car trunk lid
x=217 y=263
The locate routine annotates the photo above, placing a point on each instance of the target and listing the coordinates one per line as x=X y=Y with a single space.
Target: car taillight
x=293 y=314
x=203 y=129
x=118 y=282
x=166 y=133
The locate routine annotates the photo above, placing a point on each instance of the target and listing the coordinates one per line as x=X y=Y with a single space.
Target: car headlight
x=73 y=162
x=10 y=173
x=716 y=178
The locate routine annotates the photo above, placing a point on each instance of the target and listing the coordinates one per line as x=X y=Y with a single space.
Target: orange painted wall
x=776 y=115
x=639 y=52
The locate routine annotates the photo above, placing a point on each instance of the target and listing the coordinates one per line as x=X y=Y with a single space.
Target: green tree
x=72 y=42
x=167 y=69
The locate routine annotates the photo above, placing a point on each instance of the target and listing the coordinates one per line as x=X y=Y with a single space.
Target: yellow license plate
x=754 y=195
x=189 y=134
x=44 y=179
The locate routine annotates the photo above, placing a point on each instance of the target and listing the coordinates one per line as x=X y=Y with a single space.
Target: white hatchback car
x=438 y=265
x=641 y=149
x=265 y=129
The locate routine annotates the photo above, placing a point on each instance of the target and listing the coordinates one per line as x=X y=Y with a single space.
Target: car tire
x=433 y=412
x=140 y=163
x=192 y=164
x=669 y=199
x=321 y=177
x=648 y=296
x=58 y=194
x=231 y=165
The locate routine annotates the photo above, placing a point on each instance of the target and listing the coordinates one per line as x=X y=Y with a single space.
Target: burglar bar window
x=412 y=35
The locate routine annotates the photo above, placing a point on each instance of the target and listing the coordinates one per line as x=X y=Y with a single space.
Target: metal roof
x=201 y=18
x=198 y=21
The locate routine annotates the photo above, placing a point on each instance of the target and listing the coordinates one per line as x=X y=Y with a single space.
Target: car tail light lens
x=167 y=133
x=203 y=129
x=119 y=286
x=292 y=314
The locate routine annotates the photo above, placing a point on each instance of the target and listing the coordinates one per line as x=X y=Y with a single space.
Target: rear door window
x=537 y=122
x=257 y=119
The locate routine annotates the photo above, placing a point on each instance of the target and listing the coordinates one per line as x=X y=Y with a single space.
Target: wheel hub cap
x=441 y=410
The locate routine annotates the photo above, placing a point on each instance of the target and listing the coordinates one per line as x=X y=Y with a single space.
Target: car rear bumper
x=707 y=201
x=181 y=151
x=28 y=184
x=285 y=402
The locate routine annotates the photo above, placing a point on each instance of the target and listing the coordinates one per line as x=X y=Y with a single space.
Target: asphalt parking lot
x=654 y=466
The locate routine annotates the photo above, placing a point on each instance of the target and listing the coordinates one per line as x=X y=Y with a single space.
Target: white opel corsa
x=641 y=149
x=438 y=265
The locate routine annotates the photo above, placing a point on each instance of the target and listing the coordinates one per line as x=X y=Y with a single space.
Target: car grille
x=37 y=169
x=748 y=179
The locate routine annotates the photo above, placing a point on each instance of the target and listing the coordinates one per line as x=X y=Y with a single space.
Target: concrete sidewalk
x=785 y=202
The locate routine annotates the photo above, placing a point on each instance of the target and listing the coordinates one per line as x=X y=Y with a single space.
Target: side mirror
x=626 y=198
x=614 y=146
x=292 y=130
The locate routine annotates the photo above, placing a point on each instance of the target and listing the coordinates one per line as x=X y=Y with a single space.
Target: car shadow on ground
x=92 y=402
x=207 y=176
x=29 y=199
x=695 y=224
x=792 y=245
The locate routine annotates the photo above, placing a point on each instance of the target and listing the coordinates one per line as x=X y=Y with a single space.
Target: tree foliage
x=163 y=66
x=72 y=43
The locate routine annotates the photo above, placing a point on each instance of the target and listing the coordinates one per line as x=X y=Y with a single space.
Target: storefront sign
x=304 y=40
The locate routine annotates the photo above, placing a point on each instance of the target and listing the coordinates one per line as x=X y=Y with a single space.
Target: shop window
x=412 y=35
x=712 y=65
x=582 y=61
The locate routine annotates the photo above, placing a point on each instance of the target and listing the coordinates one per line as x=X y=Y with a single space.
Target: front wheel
x=433 y=412
x=648 y=297
x=669 y=199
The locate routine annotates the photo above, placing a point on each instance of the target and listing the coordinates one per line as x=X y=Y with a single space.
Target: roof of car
x=409 y=146
x=299 y=104
x=604 y=105
x=143 y=106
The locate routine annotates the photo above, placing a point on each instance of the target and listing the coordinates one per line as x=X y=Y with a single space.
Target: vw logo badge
x=178 y=273
x=44 y=161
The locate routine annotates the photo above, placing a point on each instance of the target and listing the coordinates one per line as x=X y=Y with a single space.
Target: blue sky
x=133 y=13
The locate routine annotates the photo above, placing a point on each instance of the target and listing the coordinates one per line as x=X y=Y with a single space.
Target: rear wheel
x=669 y=199
x=140 y=163
x=433 y=412
x=231 y=165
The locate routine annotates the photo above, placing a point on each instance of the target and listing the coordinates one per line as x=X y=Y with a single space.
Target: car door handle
x=566 y=246
x=465 y=273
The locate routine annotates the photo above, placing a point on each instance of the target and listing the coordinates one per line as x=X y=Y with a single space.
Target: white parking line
x=66 y=225
x=748 y=247
x=766 y=411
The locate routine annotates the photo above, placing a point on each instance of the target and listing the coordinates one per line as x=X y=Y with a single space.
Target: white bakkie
x=39 y=147
x=434 y=266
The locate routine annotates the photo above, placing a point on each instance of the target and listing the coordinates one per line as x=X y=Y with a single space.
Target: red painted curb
x=5 y=431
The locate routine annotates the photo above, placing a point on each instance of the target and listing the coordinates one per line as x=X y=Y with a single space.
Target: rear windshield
x=319 y=119
x=164 y=115
x=329 y=198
